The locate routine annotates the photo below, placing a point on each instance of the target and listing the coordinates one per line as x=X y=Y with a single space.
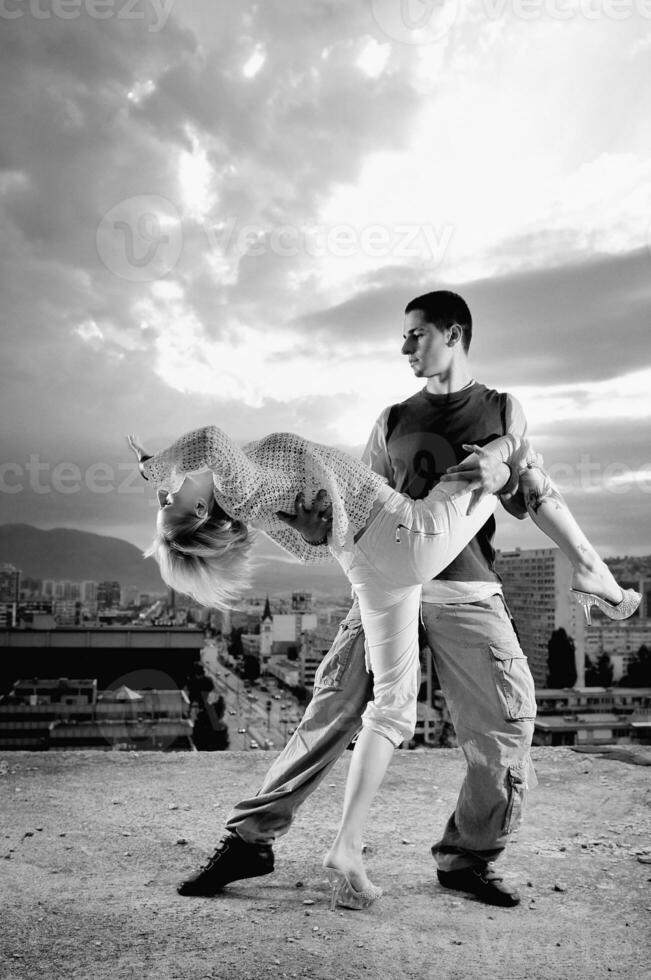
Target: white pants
x=408 y=543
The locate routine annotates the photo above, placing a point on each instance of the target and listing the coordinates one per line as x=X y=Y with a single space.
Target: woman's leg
x=370 y=760
x=551 y=514
x=390 y=620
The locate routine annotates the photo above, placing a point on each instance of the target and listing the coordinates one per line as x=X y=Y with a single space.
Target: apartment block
x=537 y=589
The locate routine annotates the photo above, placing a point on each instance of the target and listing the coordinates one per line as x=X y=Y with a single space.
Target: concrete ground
x=93 y=843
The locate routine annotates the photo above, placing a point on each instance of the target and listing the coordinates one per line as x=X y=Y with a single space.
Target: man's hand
x=482 y=472
x=141 y=455
x=313 y=523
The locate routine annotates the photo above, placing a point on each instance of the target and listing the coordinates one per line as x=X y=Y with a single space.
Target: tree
x=638 y=673
x=561 y=667
x=599 y=674
x=198 y=684
x=605 y=670
x=251 y=667
x=235 y=647
x=301 y=694
x=209 y=734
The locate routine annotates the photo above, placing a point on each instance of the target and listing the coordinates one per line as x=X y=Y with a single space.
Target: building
x=67 y=612
x=314 y=645
x=8 y=615
x=30 y=611
x=58 y=690
x=266 y=635
x=68 y=714
x=580 y=729
x=88 y=589
x=66 y=590
x=129 y=595
x=301 y=602
x=109 y=595
x=251 y=646
x=285 y=671
x=613 y=636
x=30 y=588
x=141 y=657
x=9 y=583
x=592 y=716
x=537 y=590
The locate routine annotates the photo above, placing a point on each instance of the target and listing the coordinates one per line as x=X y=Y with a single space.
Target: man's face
x=425 y=346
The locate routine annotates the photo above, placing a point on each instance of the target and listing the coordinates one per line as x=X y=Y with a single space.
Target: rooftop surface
x=93 y=844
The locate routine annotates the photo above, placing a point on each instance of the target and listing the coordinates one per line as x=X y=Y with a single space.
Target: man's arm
x=376 y=453
x=484 y=473
x=512 y=498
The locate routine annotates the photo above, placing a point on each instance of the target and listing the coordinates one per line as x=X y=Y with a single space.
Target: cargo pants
x=489 y=689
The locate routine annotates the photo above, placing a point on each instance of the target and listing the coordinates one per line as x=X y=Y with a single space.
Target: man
x=482 y=670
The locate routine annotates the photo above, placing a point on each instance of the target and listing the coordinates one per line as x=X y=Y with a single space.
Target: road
x=243 y=712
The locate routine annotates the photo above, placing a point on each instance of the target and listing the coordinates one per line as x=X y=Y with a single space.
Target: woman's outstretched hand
x=141 y=454
x=482 y=472
x=313 y=523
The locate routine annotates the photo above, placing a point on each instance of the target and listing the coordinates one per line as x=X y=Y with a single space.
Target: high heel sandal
x=342 y=892
x=622 y=610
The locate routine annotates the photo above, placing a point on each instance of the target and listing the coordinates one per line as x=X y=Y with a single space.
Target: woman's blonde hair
x=207 y=558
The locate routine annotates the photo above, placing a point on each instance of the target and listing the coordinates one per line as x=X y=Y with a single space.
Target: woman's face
x=193 y=497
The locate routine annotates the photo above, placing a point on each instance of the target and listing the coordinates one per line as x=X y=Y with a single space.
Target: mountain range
x=65 y=553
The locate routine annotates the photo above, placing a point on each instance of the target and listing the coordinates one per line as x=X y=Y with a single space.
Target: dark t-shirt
x=424 y=436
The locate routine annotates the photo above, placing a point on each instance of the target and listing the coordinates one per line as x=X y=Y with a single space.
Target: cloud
x=163 y=139
x=582 y=322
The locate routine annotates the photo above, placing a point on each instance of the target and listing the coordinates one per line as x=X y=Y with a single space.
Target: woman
x=210 y=491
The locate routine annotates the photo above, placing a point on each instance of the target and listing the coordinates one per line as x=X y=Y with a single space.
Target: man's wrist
x=511 y=486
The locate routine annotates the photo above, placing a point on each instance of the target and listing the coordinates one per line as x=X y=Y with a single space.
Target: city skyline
x=217 y=215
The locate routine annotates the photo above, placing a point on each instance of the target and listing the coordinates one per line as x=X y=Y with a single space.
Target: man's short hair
x=444 y=308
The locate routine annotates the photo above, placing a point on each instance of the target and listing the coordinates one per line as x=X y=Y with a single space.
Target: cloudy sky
x=216 y=212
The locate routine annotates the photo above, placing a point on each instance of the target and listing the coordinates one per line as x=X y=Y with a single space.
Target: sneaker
x=483 y=882
x=233 y=860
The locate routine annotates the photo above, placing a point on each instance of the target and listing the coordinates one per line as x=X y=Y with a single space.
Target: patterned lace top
x=253 y=482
